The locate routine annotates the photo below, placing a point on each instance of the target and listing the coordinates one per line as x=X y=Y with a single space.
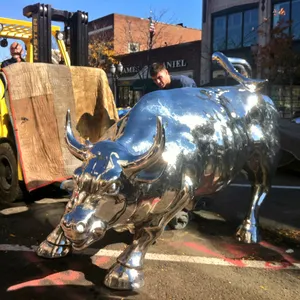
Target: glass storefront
x=288 y=11
x=235 y=30
x=127 y=96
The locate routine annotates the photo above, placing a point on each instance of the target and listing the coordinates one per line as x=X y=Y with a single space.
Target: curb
x=287 y=233
x=273 y=225
x=280 y=232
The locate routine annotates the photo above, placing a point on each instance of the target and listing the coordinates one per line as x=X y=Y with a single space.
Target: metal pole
x=151 y=35
x=115 y=89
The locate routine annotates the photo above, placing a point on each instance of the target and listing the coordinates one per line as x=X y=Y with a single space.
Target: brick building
x=131 y=34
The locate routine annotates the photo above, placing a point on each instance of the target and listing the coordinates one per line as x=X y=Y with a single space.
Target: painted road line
x=291 y=187
x=176 y=258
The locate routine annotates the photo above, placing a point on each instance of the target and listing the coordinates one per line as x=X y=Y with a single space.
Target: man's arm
x=180 y=81
x=188 y=82
x=6 y=63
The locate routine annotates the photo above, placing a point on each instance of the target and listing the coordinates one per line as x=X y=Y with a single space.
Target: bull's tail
x=250 y=84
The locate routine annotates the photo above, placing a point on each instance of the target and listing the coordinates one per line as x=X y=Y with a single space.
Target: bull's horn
x=76 y=148
x=250 y=84
x=148 y=159
x=243 y=65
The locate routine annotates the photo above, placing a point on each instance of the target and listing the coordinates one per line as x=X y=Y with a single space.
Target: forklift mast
x=75 y=32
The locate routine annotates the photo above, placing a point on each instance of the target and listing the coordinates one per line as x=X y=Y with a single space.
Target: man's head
x=16 y=50
x=160 y=75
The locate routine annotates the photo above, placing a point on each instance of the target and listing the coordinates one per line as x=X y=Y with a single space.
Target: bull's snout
x=80 y=223
x=74 y=229
x=69 y=223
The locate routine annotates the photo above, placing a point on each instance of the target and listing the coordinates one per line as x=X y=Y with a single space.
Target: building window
x=128 y=96
x=250 y=27
x=133 y=47
x=235 y=30
x=287 y=11
x=219 y=33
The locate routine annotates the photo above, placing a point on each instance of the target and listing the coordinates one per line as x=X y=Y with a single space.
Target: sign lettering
x=173 y=64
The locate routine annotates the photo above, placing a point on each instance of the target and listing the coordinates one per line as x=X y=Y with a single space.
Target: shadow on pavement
x=54 y=279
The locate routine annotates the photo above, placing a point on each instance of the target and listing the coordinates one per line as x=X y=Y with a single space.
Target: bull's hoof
x=48 y=250
x=123 y=278
x=248 y=233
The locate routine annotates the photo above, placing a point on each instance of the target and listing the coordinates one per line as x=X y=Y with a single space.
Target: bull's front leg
x=56 y=244
x=127 y=273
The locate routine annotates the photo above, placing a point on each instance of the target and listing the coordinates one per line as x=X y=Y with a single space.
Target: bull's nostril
x=65 y=224
x=80 y=227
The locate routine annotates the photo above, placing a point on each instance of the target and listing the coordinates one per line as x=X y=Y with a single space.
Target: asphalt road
x=281 y=208
x=203 y=261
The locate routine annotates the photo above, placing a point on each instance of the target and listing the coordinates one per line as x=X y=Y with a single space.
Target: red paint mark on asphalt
x=289 y=260
x=240 y=251
x=232 y=249
x=279 y=250
x=201 y=248
x=283 y=265
x=100 y=261
x=57 y=279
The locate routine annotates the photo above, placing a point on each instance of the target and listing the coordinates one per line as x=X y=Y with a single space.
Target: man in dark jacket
x=164 y=80
x=16 y=52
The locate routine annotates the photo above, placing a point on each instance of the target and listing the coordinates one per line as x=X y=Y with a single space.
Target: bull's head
x=106 y=186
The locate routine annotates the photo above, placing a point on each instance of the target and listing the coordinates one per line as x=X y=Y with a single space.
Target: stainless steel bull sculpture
x=171 y=145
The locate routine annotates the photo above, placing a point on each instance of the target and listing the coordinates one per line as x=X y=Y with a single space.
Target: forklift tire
x=10 y=189
x=180 y=221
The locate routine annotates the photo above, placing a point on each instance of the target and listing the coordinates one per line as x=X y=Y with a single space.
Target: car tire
x=10 y=189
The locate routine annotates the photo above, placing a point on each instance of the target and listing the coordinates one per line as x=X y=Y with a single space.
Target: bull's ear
x=148 y=167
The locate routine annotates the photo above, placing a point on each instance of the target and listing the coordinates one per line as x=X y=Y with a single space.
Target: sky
x=188 y=12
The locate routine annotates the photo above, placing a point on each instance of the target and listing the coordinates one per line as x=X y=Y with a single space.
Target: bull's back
x=208 y=128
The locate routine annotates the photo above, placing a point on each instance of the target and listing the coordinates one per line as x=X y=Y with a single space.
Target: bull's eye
x=112 y=189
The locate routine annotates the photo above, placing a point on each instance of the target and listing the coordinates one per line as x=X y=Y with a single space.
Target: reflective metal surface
x=253 y=85
x=172 y=145
x=296 y=120
x=242 y=64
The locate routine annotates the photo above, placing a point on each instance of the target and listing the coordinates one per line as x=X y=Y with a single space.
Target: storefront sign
x=131 y=69
x=179 y=63
x=173 y=64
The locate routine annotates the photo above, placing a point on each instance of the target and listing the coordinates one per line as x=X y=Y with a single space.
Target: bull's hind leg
x=248 y=231
x=260 y=171
x=127 y=273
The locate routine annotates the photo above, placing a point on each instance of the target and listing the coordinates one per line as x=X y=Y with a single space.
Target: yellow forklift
x=19 y=30
x=38 y=36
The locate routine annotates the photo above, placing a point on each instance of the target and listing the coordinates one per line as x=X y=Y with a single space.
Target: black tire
x=180 y=221
x=10 y=189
